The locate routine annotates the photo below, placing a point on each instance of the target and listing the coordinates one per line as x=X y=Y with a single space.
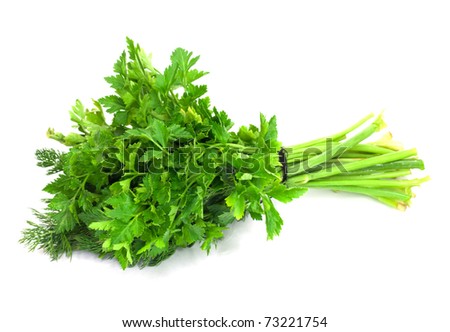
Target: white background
x=318 y=66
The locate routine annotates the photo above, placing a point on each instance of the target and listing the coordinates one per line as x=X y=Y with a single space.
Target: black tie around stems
x=283 y=160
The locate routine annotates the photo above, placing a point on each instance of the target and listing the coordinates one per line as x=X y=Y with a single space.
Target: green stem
x=395 y=165
x=352 y=166
x=336 y=137
x=355 y=155
x=376 y=183
x=383 y=175
x=343 y=134
x=373 y=192
x=369 y=148
x=358 y=151
x=399 y=205
x=340 y=148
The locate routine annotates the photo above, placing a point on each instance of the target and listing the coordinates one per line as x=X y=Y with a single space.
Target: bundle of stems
x=377 y=169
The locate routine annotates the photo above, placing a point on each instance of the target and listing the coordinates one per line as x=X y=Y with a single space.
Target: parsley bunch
x=166 y=171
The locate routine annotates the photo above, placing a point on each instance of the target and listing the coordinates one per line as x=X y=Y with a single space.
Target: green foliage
x=167 y=172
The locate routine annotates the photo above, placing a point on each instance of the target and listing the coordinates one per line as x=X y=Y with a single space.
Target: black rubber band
x=283 y=161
